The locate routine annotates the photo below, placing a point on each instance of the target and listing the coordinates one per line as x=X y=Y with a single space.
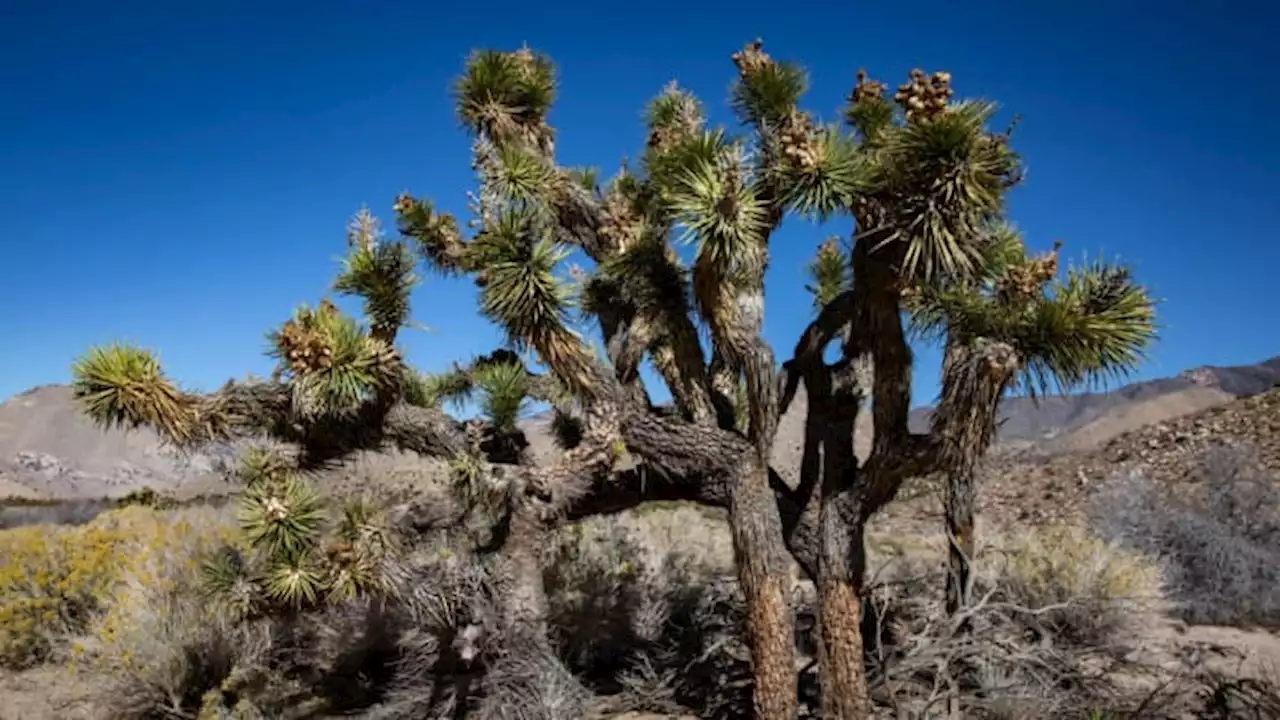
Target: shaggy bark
x=758 y=552
x=735 y=316
x=539 y=499
x=842 y=555
x=721 y=462
x=975 y=375
x=256 y=408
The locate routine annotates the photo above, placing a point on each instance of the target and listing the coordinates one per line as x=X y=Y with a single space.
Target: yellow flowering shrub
x=162 y=569
x=58 y=581
x=52 y=579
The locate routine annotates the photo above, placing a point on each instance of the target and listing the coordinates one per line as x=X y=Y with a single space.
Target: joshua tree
x=1033 y=330
x=924 y=180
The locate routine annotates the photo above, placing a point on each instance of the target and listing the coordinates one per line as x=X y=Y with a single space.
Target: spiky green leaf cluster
x=504 y=389
x=768 y=94
x=363 y=554
x=282 y=516
x=380 y=272
x=520 y=291
x=1092 y=326
x=453 y=386
x=503 y=384
x=332 y=364
x=228 y=579
x=841 y=173
x=436 y=234
x=944 y=181
x=868 y=111
x=292 y=554
x=716 y=201
x=519 y=175
x=506 y=94
x=650 y=275
x=118 y=385
x=260 y=465
x=829 y=271
x=1096 y=326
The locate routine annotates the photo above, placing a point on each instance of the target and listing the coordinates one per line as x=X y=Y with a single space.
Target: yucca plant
x=924 y=179
x=297 y=550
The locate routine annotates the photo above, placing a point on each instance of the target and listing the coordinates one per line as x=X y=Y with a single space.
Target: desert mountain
x=47 y=449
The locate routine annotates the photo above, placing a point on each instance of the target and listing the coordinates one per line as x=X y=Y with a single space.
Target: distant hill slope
x=47 y=449
x=1026 y=420
x=1031 y=487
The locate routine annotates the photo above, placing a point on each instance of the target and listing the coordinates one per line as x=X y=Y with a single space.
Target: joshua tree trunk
x=961 y=504
x=840 y=651
x=975 y=376
x=525 y=607
x=841 y=567
x=762 y=563
x=841 y=572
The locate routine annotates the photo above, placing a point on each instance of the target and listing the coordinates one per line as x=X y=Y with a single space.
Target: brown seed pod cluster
x=305 y=348
x=866 y=89
x=1026 y=278
x=829 y=251
x=340 y=553
x=752 y=58
x=404 y=203
x=924 y=97
x=796 y=137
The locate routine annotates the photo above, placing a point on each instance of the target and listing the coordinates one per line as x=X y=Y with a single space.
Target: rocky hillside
x=48 y=450
x=1033 y=486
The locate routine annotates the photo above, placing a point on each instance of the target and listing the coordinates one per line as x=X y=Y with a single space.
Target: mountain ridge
x=49 y=450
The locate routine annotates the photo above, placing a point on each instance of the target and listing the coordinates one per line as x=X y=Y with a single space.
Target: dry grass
x=159 y=638
x=1104 y=594
x=1053 y=611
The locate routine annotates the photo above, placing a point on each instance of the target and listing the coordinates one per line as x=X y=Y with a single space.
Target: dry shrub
x=1220 y=542
x=167 y=650
x=613 y=581
x=160 y=644
x=1224 y=697
x=451 y=626
x=529 y=684
x=1101 y=593
x=1050 y=608
x=646 y=611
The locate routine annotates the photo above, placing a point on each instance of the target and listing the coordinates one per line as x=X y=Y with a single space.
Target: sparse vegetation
x=1217 y=541
x=56 y=580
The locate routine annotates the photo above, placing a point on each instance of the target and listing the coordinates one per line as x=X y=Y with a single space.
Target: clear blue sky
x=179 y=174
